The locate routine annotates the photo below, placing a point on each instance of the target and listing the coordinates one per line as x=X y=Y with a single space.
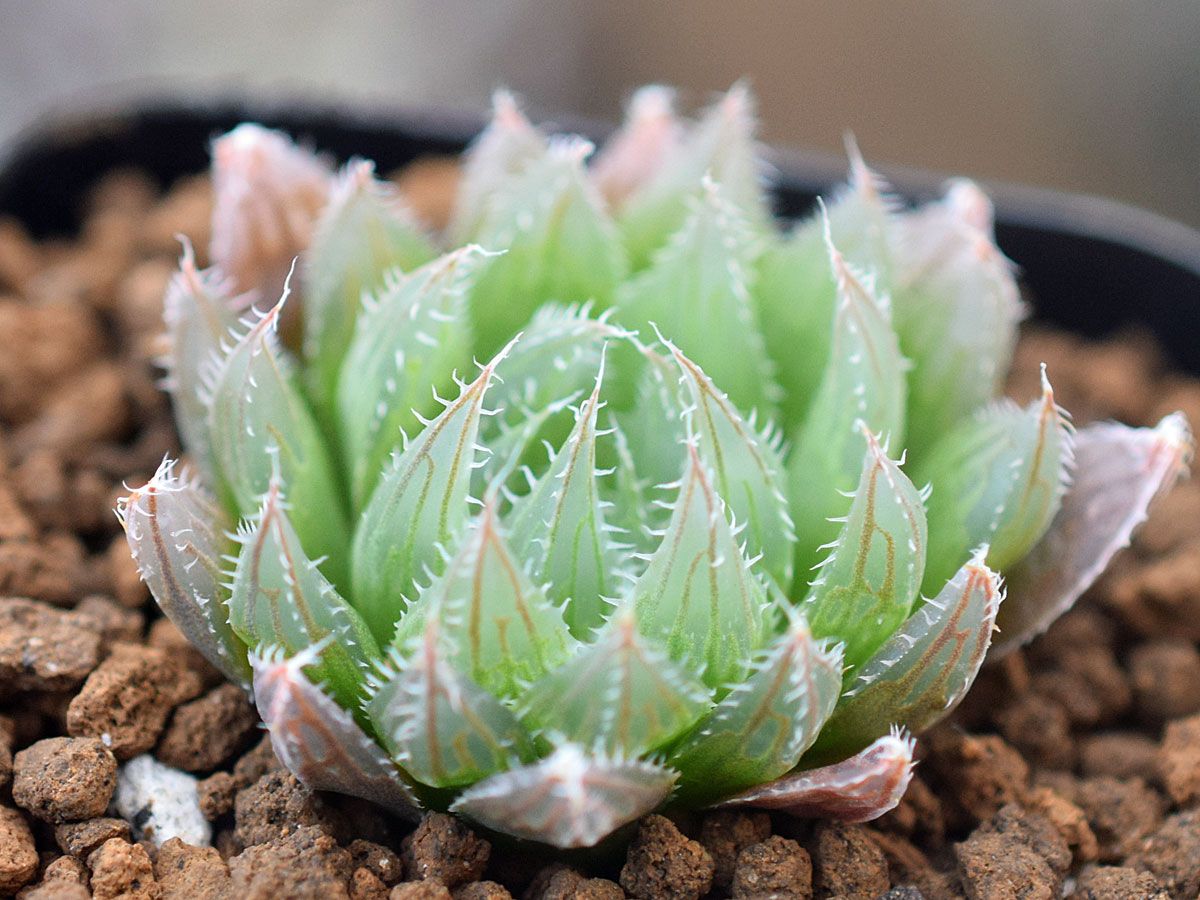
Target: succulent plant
x=661 y=546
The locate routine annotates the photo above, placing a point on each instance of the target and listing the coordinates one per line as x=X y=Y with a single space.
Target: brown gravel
x=207 y=732
x=306 y=863
x=847 y=862
x=123 y=871
x=1178 y=761
x=277 y=805
x=1172 y=854
x=43 y=649
x=1117 y=883
x=663 y=864
x=1119 y=812
x=442 y=847
x=126 y=701
x=18 y=853
x=64 y=779
x=81 y=838
x=727 y=833
x=191 y=873
x=777 y=867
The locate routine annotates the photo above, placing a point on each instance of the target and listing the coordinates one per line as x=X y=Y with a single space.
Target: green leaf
x=362 y=235
x=498 y=625
x=409 y=340
x=863 y=380
x=319 y=741
x=746 y=468
x=254 y=405
x=762 y=727
x=442 y=727
x=698 y=287
x=199 y=311
x=957 y=308
x=620 y=694
x=722 y=145
x=559 y=245
x=795 y=292
x=417 y=508
x=280 y=598
x=570 y=799
x=177 y=536
x=867 y=584
x=697 y=595
x=559 y=527
x=998 y=479
x=918 y=676
x=653 y=427
x=502 y=151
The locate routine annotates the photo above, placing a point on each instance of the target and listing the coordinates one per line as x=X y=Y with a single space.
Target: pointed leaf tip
x=858 y=789
x=569 y=799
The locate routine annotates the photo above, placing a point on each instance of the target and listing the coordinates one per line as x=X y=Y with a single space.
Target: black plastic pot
x=1090 y=265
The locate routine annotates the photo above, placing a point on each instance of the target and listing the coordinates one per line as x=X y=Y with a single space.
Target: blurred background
x=1096 y=96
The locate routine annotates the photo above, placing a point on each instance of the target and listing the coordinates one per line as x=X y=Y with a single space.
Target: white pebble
x=160 y=803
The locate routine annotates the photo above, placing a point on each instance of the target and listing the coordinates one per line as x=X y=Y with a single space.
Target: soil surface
x=1072 y=769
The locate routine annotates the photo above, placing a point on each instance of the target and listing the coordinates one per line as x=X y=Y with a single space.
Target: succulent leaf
x=570 y=799
x=176 y=535
x=620 y=694
x=254 y=405
x=279 y=598
x=921 y=673
x=698 y=595
x=559 y=527
x=747 y=470
x=1118 y=472
x=857 y=789
x=443 y=728
x=319 y=741
x=363 y=234
x=722 y=145
x=416 y=509
x=199 y=310
x=866 y=586
x=268 y=194
x=760 y=729
x=498 y=625
x=698 y=285
x=796 y=294
x=502 y=151
x=957 y=308
x=638 y=152
x=559 y=245
x=998 y=479
x=408 y=342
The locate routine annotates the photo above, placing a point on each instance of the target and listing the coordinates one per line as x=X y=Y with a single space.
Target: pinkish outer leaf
x=268 y=193
x=857 y=789
x=1118 y=472
x=633 y=156
x=318 y=741
x=569 y=799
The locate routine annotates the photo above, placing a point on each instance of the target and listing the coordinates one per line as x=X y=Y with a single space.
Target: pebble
x=161 y=803
x=64 y=779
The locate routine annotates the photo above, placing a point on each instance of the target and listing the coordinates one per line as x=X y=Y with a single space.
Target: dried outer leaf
x=722 y=145
x=863 y=381
x=998 y=479
x=924 y=669
x=408 y=341
x=417 y=508
x=570 y=799
x=1118 y=472
x=176 y=534
x=620 y=694
x=279 y=598
x=503 y=149
x=866 y=586
x=858 y=789
x=498 y=626
x=698 y=286
x=443 y=728
x=318 y=741
x=255 y=405
x=795 y=292
x=957 y=308
x=698 y=596
x=559 y=527
x=760 y=729
x=364 y=233
x=559 y=245
x=199 y=310
x=633 y=157
x=747 y=470
x=267 y=196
